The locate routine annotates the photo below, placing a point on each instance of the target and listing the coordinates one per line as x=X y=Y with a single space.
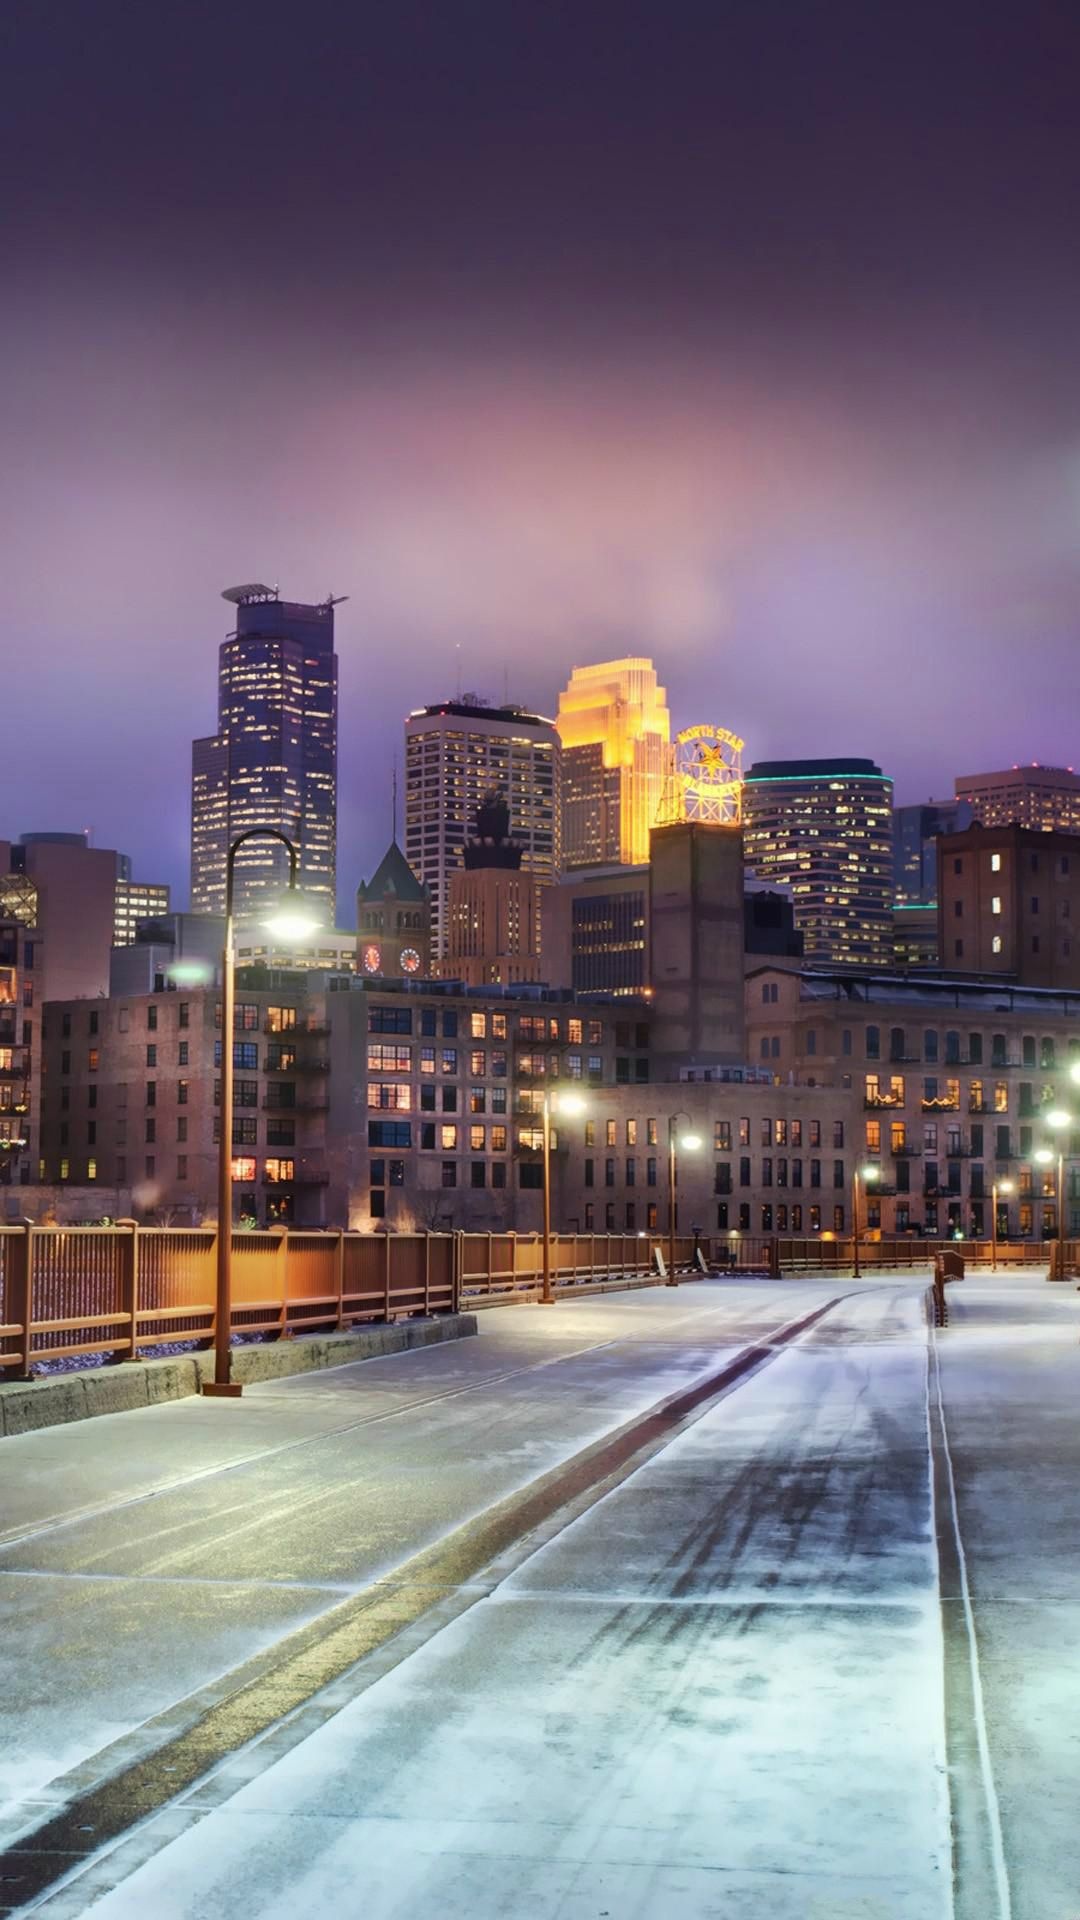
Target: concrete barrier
x=26 y=1406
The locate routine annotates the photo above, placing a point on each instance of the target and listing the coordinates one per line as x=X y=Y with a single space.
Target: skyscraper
x=273 y=760
x=915 y=835
x=455 y=754
x=615 y=730
x=824 y=827
x=1040 y=797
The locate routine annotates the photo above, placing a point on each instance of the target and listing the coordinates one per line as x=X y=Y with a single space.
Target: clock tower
x=393 y=915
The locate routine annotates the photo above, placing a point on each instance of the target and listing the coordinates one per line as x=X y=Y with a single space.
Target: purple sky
x=743 y=336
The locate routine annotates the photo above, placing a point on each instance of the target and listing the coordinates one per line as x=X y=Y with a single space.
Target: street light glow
x=871 y=1173
x=691 y=1141
x=1057 y=1117
x=1005 y=1186
x=1074 y=1070
x=1044 y=1155
x=570 y=1103
x=291 y=920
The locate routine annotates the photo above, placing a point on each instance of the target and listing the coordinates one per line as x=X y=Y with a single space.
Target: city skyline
x=743 y=345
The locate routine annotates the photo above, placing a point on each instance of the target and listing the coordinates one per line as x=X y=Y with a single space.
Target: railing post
x=455 y=1275
x=20 y=1290
x=774 y=1258
x=129 y=1283
x=427 y=1271
x=386 y=1276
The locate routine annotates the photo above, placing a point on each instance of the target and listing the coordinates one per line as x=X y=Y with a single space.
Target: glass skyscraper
x=824 y=828
x=273 y=760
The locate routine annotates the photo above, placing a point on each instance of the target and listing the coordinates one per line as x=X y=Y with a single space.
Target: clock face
x=410 y=960
x=372 y=959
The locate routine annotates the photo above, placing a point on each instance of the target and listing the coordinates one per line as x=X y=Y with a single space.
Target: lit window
x=243 y=1168
x=996 y=943
x=995 y=863
x=995 y=904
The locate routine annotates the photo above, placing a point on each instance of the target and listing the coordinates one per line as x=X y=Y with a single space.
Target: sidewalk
x=1010 y=1375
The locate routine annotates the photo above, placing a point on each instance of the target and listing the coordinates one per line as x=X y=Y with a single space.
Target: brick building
x=1009 y=903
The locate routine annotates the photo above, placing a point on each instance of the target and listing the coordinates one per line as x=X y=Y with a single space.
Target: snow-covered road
x=718 y=1691
x=816 y=1658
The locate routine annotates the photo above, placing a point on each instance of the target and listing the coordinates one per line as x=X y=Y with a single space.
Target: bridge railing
x=122 y=1290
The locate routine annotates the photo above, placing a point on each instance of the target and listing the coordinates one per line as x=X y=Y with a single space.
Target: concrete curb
x=27 y=1406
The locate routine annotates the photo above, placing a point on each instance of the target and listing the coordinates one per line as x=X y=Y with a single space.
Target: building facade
x=594 y=931
x=768 y=1160
x=393 y=919
x=1045 y=798
x=952 y=1081
x=615 y=729
x=20 y=1041
x=455 y=754
x=273 y=759
x=355 y=1102
x=824 y=829
x=1009 y=903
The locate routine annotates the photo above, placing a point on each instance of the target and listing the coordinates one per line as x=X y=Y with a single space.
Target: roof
x=814 y=770
x=392 y=875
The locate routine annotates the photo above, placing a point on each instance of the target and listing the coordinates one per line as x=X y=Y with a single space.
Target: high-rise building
x=824 y=827
x=615 y=730
x=457 y=752
x=135 y=900
x=1042 y=797
x=915 y=835
x=273 y=760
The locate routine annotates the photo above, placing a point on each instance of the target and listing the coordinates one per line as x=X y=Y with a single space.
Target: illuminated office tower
x=456 y=754
x=824 y=827
x=615 y=730
x=273 y=760
x=1046 y=798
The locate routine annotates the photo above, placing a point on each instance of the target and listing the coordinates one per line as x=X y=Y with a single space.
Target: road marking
x=986 y=1768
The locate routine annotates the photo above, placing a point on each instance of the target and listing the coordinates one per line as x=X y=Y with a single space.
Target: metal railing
x=121 y=1291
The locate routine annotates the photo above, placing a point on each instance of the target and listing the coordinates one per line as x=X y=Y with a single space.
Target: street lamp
x=999 y=1186
x=290 y=922
x=567 y=1103
x=692 y=1144
x=869 y=1174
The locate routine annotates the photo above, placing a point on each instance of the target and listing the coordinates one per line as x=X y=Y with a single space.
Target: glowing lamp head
x=292 y=920
x=1074 y=1070
x=1005 y=1186
x=1057 y=1117
x=570 y=1103
x=690 y=1141
x=1043 y=1155
x=871 y=1173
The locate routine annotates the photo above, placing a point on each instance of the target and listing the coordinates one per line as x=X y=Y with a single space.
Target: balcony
x=905 y=1152
x=318 y=1103
x=875 y=1102
x=940 y=1105
x=303 y=1177
x=19 y=1068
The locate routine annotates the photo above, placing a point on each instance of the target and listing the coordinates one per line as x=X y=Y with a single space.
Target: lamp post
x=291 y=923
x=691 y=1141
x=1059 y=1119
x=999 y=1186
x=568 y=1103
x=869 y=1175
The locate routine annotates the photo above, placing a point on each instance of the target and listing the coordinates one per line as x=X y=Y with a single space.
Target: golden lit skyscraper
x=615 y=729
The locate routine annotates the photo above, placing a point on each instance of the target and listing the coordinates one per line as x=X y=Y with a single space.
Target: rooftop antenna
x=457 y=652
x=394 y=784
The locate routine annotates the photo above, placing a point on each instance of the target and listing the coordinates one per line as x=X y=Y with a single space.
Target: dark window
x=151 y=1018
x=389 y=1133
